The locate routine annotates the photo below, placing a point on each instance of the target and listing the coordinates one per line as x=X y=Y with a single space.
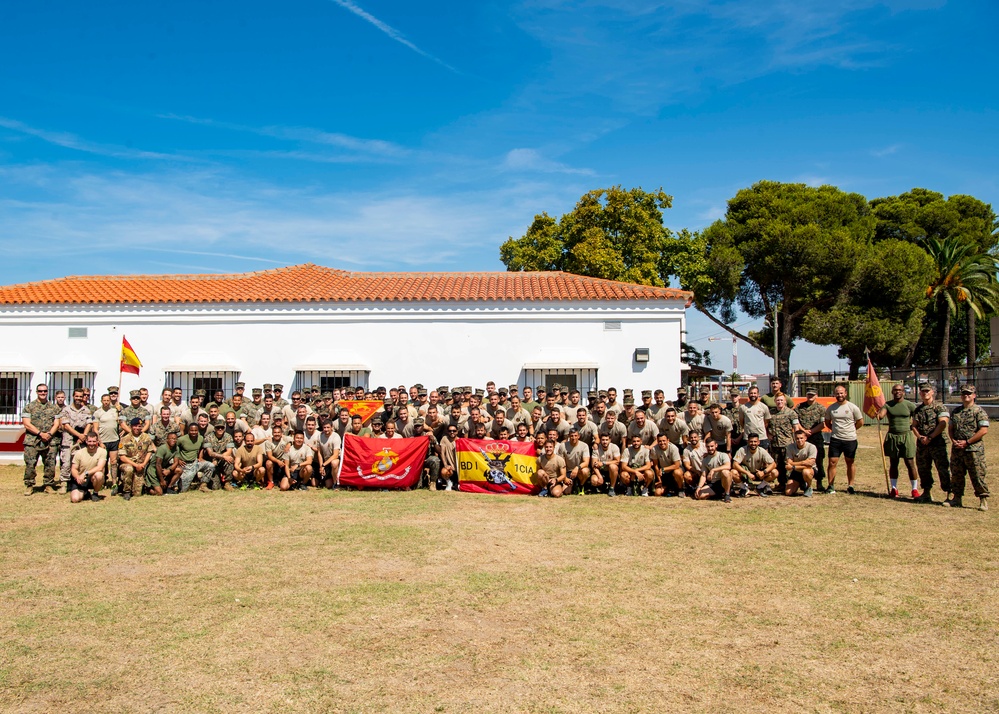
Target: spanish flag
x=129 y=360
x=507 y=467
x=874 y=398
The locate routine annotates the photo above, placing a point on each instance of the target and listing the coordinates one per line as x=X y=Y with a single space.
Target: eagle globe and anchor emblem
x=383 y=464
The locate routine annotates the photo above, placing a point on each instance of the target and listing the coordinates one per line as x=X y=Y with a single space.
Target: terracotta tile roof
x=314 y=283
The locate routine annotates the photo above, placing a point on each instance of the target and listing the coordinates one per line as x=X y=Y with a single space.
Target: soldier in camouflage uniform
x=731 y=410
x=134 y=410
x=279 y=401
x=929 y=423
x=240 y=389
x=255 y=408
x=783 y=422
x=968 y=426
x=135 y=451
x=220 y=450
x=812 y=418
x=163 y=426
x=41 y=424
x=75 y=420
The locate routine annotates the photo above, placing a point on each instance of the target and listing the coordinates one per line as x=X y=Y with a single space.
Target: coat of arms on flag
x=497 y=466
x=382 y=463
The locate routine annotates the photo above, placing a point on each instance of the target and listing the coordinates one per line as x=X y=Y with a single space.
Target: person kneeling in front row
x=800 y=465
x=716 y=474
x=87 y=471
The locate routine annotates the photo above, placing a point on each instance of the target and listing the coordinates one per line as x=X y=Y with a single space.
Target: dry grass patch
x=263 y=601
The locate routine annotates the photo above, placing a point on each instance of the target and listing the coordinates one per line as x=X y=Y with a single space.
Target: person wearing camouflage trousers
x=929 y=424
x=41 y=423
x=968 y=426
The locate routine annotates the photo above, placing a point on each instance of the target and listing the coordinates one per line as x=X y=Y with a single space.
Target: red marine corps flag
x=874 y=398
x=382 y=463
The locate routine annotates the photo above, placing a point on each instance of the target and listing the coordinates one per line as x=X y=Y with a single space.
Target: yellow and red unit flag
x=129 y=360
x=382 y=463
x=497 y=467
x=874 y=398
x=365 y=408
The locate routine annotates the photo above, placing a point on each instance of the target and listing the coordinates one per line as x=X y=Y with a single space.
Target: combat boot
x=926 y=497
x=63 y=489
x=954 y=502
x=983 y=504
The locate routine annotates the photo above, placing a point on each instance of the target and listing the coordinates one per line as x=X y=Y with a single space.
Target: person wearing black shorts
x=843 y=417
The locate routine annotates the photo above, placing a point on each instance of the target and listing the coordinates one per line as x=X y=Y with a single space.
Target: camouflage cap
x=811 y=392
x=513 y=387
x=113 y=389
x=387 y=400
x=626 y=392
x=134 y=394
x=257 y=391
x=502 y=391
x=629 y=401
x=240 y=385
x=220 y=425
x=278 y=387
x=969 y=389
x=646 y=393
x=327 y=395
x=923 y=386
x=681 y=390
x=591 y=395
x=200 y=393
x=442 y=390
x=480 y=392
x=736 y=393
x=377 y=420
x=314 y=388
x=419 y=421
x=268 y=388
x=602 y=393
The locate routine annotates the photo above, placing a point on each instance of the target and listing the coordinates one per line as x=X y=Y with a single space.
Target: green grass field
x=449 y=602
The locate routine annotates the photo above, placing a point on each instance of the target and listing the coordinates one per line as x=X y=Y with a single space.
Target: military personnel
x=274 y=450
x=219 y=449
x=87 y=470
x=968 y=426
x=41 y=420
x=636 y=468
x=799 y=464
x=137 y=451
x=731 y=410
x=558 y=423
x=843 y=418
x=694 y=417
x=929 y=424
x=499 y=421
x=279 y=401
x=297 y=471
x=218 y=399
x=675 y=429
x=657 y=410
x=528 y=399
x=770 y=399
x=782 y=425
x=612 y=403
x=606 y=464
x=166 y=400
x=644 y=428
x=577 y=460
x=716 y=474
x=134 y=410
x=754 y=416
x=627 y=415
x=516 y=412
x=165 y=467
x=617 y=431
x=704 y=398
x=667 y=464
x=693 y=462
x=586 y=428
x=107 y=428
x=553 y=473
x=191 y=452
x=255 y=407
x=328 y=449
x=240 y=390
x=113 y=394
x=681 y=399
x=754 y=463
x=900 y=441
x=248 y=463
x=75 y=422
x=811 y=419
x=191 y=413
x=719 y=426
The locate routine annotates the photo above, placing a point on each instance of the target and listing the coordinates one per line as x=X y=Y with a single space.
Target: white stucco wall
x=433 y=343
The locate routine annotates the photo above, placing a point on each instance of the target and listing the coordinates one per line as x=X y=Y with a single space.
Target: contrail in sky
x=390 y=31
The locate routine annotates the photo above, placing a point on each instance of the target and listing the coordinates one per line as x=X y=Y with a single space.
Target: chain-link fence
x=947 y=381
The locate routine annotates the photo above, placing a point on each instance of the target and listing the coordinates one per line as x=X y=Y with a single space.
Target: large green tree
x=921 y=215
x=963 y=278
x=881 y=306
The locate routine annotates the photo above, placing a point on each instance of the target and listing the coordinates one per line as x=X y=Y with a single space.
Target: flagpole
x=884 y=460
x=120 y=350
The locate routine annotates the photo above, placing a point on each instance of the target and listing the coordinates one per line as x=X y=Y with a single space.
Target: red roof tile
x=314 y=283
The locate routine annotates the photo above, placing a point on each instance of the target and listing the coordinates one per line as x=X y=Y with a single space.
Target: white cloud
x=886 y=151
x=532 y=160
x=74 y=142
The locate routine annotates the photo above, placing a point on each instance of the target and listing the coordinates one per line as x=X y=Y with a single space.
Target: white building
x=307 y=324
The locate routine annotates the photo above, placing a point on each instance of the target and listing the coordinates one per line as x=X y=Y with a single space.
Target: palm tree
x=964 y=277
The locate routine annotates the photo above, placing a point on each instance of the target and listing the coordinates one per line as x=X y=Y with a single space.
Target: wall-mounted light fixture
x=641 y=354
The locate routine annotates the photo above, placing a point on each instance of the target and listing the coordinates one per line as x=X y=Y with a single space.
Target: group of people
x=686 y=447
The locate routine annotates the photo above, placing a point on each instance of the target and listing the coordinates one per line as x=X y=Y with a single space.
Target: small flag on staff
x=129 y=360
x=874 y=398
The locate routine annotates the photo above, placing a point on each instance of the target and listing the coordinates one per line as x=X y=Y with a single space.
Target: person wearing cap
x=377 y=427
x=843 y=418
x=75 y=422
x=113 y=394
x=279 y=401
x=900 y=442
x=240 y=389
x=731 y=410
x=644 y=428
x=968 y=426
x=812 y=419
x=681 y=399
x=136 y=451
x=704 y=397
x=134 y=410
x=627 y=414
x=929 y=425
x=220 y=450
x=647 y=402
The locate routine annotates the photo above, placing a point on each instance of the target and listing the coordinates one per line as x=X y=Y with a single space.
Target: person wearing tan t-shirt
x=87 y=470
x=551 y=469
x=249 y=462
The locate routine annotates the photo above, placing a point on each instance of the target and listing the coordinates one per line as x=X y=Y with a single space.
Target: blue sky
x=374 y=135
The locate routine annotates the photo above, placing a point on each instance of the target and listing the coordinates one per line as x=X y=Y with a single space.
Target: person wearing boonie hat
x=968 y=426
x=135 y=450
x=929 y=423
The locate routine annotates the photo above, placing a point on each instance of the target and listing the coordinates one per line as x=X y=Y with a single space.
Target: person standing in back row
x=844 y=418
x=968 y=426
x=900 y=442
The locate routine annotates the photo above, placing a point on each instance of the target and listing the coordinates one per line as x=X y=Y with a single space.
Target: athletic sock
x=894 y=483
x=915 y=485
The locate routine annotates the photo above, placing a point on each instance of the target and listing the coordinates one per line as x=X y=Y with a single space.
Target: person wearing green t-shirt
x=900 y=442
x=164 y=470
x=190 y=448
